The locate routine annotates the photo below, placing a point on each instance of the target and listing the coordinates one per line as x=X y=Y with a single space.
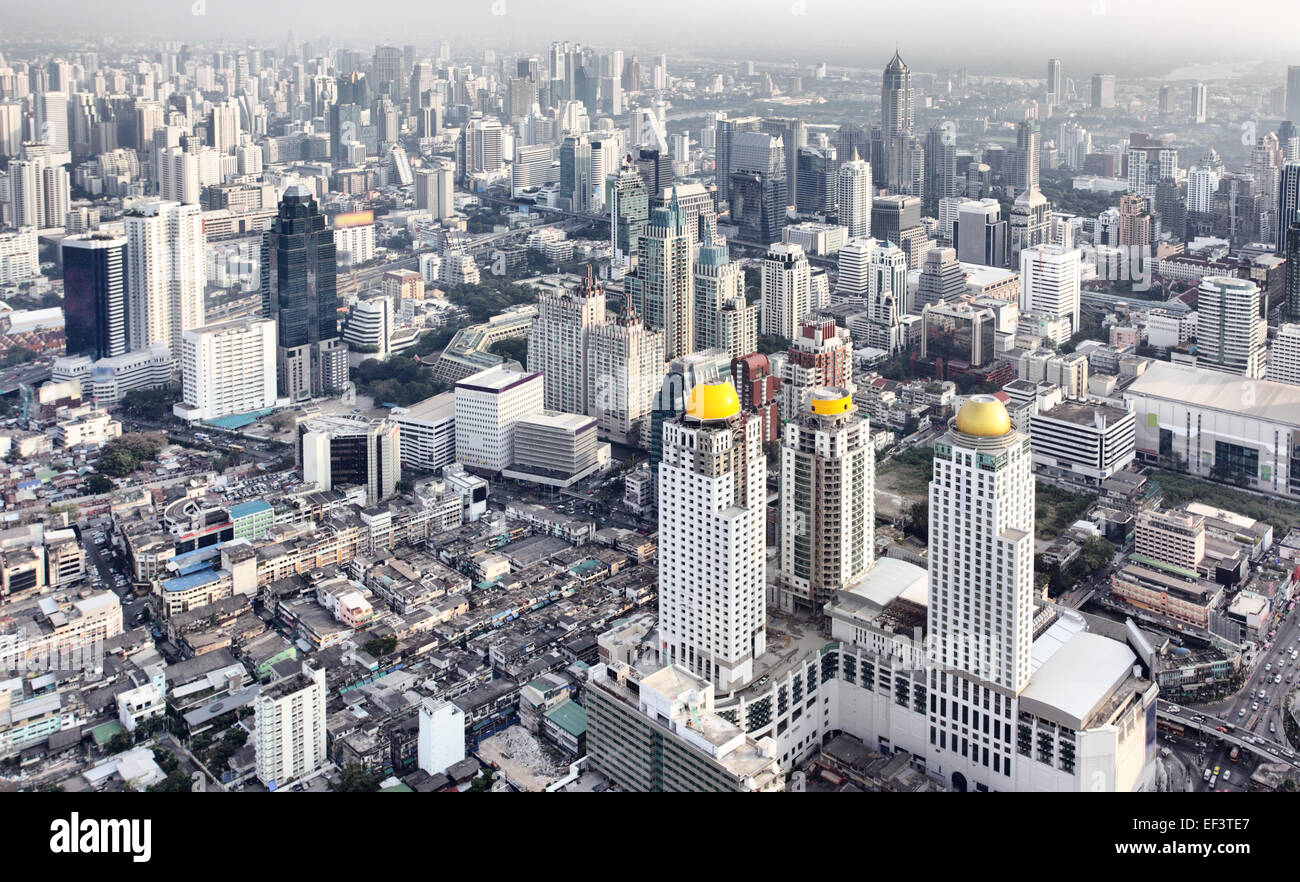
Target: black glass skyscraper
x=299 y=291
x=95 y=296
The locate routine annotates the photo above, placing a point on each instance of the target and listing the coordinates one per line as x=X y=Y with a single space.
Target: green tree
x=355 y=779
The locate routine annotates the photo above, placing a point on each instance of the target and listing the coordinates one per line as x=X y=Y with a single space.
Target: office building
x=1198 y=114
x=1082 y=443
x=941 y=280
x=628 y=202
x=958 y=335
x=488 y=404
x=1288 y=202
x=434 y=190
x=289 y=728
x=1284 y=355
x=854 y=197
x=1055 y=87
x=348 y=451
x=758 y=192
x=299 y=291
x=227 y=369
x=712 y=559
x=815 y=174
x=980 y=234
x=725 y=131
x=428 y=432
x=369 y=327
x=554 y=449
x=1231 y=329
x=1049 y=282
x=660 y=733
x=1103 y=91
x=827 y=500
x=96 y=311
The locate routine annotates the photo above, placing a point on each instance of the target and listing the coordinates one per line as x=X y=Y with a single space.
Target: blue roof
x=252 y=507
x=193 y=580
x=239 y=420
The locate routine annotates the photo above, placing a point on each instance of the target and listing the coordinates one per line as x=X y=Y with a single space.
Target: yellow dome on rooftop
x=985 y=416
x=713 y=401
x=828 y=400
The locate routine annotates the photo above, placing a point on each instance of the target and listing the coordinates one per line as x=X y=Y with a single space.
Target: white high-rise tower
x=712 y=559
x=980 y=617
x=853 y=194
x=165 y=257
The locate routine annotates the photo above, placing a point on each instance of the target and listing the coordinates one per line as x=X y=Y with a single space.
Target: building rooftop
x=434 y=409
x=1074 y=672
x=1215 y=390
x=496 y=379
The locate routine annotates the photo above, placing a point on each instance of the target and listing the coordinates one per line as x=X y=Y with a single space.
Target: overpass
x=1229 y=733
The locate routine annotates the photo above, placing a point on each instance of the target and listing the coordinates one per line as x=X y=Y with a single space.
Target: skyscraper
x=1049 y=282
x=1198 y=114
x=1293 y=92
x=629 y=210
x=1292 y=254
x=94 y=295
x=1288 y=202
x=1103 y=91
x=940 y=168
x=827 y=500
x=557 y=343
x=1230 y=329
x=787 y=295
x=299 y=291
x=815 y=174
x=662 y=289
x=723 y=319
x=725 y=131
x=758 y=186
x=853 y=196
x=166 y=273
x=895 y=164
x=980 y=624
x=1055 y=88
x=712 y=560
x=625 y=370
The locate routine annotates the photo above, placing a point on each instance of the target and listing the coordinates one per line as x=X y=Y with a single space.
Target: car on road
x=1227 y=774
x=1255 y=706
x=1241 y=713
x=1263 y=692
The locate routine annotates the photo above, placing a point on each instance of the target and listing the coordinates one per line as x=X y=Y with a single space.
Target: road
x=1219 y=744
x=1261 y=693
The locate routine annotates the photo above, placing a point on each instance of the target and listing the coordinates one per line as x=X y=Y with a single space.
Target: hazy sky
x=1011 y=36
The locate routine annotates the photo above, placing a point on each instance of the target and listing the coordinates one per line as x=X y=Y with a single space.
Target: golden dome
x=713 y=401
x=831 y=401
x=983 y=415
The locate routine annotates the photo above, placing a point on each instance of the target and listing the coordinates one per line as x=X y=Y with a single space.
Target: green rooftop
x=104 y=732
x=571 y=717
x=1161 y=565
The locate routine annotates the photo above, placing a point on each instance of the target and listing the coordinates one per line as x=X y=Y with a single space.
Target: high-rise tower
x=712 y=560
x=299 y=292
x=827 y=499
